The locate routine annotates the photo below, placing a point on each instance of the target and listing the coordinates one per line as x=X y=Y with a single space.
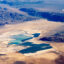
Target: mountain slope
x=10 y=15
x=58 y=37
x=51 y=16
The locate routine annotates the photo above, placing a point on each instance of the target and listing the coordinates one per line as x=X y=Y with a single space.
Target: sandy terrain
x=44 y=27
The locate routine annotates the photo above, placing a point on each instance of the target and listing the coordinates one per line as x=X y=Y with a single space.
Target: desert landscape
x=31 y=31
x=54 y=55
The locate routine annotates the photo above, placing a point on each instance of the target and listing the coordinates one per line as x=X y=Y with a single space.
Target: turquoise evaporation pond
x=21 y=38
x=21 y=41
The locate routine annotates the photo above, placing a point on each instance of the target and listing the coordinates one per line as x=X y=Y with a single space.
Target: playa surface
x=45 y=28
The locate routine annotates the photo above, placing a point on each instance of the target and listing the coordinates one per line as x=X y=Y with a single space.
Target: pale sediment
x=44 y=27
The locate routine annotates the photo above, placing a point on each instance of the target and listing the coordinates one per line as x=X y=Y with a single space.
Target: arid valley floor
x=54 y=55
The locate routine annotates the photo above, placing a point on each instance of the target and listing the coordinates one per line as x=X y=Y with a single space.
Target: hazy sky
x=45 y=4
x=49 y=1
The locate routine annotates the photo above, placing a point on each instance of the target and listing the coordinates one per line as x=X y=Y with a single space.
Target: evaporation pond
x=21 y=40
x=36 y=34
x=34 y=47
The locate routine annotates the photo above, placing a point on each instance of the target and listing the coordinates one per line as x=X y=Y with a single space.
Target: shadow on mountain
x=51 y=16
x=19 y=62
x=60 y=60
x=58 y=37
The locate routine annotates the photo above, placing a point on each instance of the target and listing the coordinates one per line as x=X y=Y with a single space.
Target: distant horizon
x=43 y=4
